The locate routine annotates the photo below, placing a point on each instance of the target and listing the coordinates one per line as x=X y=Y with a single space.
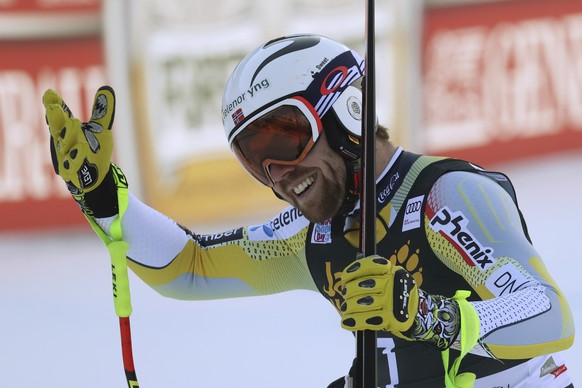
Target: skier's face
x=316 y=185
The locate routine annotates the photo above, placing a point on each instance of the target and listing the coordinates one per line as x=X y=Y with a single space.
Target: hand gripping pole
x=121 y=295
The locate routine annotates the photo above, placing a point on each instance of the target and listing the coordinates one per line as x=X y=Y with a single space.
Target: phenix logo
x=453 y=226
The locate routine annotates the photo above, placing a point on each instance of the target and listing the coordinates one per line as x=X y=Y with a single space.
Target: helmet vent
x=354 y=107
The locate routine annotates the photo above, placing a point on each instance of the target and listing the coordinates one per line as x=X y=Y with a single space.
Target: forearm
x=154 y=239
x=164 y=256
x=520 y=325
x=182 y=265
x=524 y=324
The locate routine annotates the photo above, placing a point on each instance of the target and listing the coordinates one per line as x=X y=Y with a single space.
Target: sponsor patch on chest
x=321 y=233
x=412 y=213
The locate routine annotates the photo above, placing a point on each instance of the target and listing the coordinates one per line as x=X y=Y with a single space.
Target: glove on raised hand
x=81 y=151
x=381 y=296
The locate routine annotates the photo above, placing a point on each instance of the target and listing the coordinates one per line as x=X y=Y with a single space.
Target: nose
x=278 y=171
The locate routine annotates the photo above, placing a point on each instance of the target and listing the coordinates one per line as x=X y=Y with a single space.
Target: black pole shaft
x=366 y=340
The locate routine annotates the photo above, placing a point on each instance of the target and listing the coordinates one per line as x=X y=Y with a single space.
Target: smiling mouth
x=300 y=188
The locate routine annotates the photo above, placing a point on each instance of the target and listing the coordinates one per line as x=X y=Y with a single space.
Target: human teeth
x=303 y=185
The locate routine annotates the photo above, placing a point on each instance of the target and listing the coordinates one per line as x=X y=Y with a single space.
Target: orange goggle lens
x=283 y=135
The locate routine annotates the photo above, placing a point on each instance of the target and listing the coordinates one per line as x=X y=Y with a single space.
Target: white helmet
x=284 y=93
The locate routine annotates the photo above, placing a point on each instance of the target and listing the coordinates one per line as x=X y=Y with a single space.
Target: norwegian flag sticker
x=238 y=116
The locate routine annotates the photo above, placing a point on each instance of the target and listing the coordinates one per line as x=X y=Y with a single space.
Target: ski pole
x=120 y=280
x=366 y=339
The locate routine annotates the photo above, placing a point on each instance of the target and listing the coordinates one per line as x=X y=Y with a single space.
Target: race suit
x=452 y=225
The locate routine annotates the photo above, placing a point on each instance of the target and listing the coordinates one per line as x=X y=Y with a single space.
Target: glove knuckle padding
x=378 y=296
x=371 y=265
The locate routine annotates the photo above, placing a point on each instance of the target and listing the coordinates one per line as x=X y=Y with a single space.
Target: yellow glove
x=378 y=296
x=81 y=152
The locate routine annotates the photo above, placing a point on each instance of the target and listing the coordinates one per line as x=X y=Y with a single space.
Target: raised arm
x=171 y=259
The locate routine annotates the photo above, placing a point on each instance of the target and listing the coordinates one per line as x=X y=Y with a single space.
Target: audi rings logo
x=412 y=207
x=412 y=213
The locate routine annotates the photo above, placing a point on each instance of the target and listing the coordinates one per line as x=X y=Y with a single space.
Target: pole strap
x=469 y=333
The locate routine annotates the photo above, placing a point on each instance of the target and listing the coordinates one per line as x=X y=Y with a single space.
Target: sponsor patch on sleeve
x=454 y=226
x=508 y=279
x=219 y=238
x=289 y=222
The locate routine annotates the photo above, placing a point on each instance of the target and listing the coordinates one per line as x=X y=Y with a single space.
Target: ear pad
x=349 y=110
x=343 y=123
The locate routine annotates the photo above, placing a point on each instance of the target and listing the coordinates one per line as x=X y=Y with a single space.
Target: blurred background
x=495 y=82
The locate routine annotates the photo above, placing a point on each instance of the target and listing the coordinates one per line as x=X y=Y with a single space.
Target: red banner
x=503 y=80
x=31 y=196
x=43 y=6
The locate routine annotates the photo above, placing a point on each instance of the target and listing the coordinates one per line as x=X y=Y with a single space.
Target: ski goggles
x=283 y=134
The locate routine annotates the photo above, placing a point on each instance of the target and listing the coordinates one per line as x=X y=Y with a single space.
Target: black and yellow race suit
x=452 y=225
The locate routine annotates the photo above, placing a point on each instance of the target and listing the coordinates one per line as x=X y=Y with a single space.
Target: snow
x=59 y=328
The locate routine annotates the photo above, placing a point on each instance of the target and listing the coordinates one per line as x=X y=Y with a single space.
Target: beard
x=328 y=201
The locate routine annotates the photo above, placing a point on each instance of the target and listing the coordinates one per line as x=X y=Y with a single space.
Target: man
x=457 y=293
